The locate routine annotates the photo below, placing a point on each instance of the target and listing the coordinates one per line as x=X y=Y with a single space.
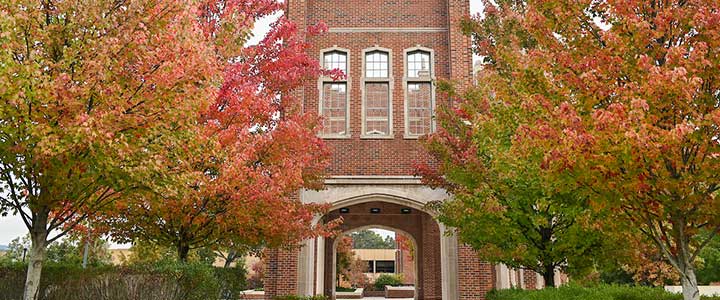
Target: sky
x=12 y=227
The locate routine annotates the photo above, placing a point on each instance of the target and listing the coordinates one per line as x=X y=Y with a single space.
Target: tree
x=622 y=99
x=87 y=88
x=368 y=239
x=64 y=251
x=239 y=172
x=348 y=266
x=504 y=204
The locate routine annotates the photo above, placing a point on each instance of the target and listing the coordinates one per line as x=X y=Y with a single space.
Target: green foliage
x=344 y=289
x=387 y=279
x=709 y=269
x=294 y=297
x=67 y=251
x=368 y=239
x=602 y=292
x=161 y=281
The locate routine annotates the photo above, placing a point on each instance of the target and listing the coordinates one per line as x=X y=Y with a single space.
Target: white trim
x=325 y=79
x=386 y=29
x=429 y=79
x=390 y=81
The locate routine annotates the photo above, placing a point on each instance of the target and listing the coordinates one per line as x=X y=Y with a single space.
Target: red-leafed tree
x=617 y=101
x=138 y=110
x=233 y=184
x=87 y=87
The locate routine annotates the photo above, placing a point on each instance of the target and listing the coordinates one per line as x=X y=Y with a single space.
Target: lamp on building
x=405 y=211
x=344 y=210
x=374 y=210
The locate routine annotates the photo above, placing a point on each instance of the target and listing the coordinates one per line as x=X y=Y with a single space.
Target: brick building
x=391 y=51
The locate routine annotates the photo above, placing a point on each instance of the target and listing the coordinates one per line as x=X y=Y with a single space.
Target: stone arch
x=416 y=223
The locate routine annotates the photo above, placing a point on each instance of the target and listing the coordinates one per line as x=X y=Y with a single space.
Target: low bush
x=344 y=289
x=601 y=292
x=159 y=281
x=387 y=279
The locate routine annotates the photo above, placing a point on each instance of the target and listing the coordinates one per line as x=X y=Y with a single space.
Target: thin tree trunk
x=183 y=251
x=689 y=282
x=37 y=256
x=230 y=258
x=548 y=276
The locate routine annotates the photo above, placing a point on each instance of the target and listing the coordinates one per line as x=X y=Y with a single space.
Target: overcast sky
x=12 y=226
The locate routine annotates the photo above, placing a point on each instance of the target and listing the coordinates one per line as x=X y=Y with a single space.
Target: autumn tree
x=347 y=265
x=86 y=87
x=622 y=100
x=236 y=178
x=504 y=204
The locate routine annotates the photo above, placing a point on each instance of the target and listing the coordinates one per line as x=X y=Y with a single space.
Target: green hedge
x=387 y=279
x=160 y=281
x=602 y=292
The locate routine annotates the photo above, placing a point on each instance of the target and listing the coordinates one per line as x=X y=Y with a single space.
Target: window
x=419 y=108
x=377 y=108
x=418 y=64
x=377 y=93
x=334 y=108
x=334 y=95
x=370 y=266
x=419 y=92
x=335 y=60
x=384 y=266
x=376 y=64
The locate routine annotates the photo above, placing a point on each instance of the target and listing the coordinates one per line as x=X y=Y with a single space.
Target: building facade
x=392 y=52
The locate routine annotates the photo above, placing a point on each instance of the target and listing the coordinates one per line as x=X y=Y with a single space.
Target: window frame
x=390 y=82
x=322 y=80
x=420 y=80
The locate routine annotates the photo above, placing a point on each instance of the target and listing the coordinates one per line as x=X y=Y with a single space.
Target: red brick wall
x=379 y=13
x=530 y=280
x=475 y=278
x=281 y=273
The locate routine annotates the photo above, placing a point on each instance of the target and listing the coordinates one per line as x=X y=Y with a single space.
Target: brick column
x=475 y=278
x=460 y=54
x=281 y=272
x=530 y=280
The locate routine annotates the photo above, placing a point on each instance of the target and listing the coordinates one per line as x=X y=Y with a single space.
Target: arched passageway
x=412 y=222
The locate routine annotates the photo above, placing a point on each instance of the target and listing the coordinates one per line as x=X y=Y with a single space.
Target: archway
x=412 y=222
x=388 y=256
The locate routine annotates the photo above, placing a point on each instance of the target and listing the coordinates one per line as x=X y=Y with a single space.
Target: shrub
x=601 y=292
x=160 y=281
x=387 y=279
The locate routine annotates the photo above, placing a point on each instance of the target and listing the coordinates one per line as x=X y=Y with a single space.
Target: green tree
x=620 y=99
x=368 y=239
x=504 y=204
x=69 y=250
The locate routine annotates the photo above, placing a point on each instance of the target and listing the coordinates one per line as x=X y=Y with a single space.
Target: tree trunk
x=230 y=258
x=183 y=250
x=689 y=282
x=37 y=256
x=549 y=276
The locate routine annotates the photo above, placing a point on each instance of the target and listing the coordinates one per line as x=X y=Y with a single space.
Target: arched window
x=334 y=101
x=419 y=92
x=377 y=95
